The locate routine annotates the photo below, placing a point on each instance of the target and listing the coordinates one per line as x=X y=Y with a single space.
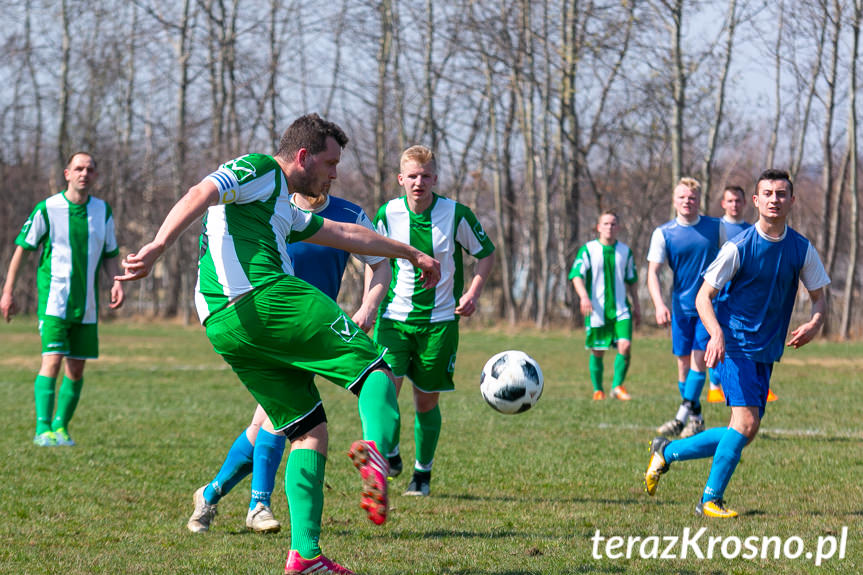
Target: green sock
x=426 y=433
x=67 y=401
x=621 y=366
x=595 y=365
x=379 y=411
x=304 y=486
x=43 y=392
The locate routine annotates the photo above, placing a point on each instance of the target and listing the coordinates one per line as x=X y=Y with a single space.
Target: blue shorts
x=687 y=333
x=745 y=382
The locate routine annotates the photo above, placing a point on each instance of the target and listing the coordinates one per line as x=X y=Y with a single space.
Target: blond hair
x=690 y=183
x=419 y=154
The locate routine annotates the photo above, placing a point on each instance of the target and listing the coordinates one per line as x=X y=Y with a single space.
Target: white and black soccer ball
x=511 y=382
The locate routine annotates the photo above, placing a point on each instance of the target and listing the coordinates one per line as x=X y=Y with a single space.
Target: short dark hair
x=310 y=132
x=774 y=174
x=734 y=189
x=81 y=153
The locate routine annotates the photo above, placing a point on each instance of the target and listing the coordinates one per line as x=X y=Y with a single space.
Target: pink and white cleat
x=373 y=468
x=320 y=565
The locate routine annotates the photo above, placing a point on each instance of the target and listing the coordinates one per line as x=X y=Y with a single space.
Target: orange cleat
x=771 y=396
x=620 y=393
x=598 y=395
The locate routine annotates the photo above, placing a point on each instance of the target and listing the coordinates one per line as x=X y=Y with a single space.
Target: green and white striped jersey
x=442 y=231
x=242 y=244
x=74 y=238
x=606 y=270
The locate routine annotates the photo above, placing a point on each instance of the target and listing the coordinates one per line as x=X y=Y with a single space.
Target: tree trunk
x=713 y=137
x=847 y=303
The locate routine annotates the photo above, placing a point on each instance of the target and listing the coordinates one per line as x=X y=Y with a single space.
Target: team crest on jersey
x=480 y=233
x=243 y=169
x=344 y=328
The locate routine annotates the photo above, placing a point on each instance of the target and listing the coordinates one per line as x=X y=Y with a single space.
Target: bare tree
x=854 y=239
x=713 y=137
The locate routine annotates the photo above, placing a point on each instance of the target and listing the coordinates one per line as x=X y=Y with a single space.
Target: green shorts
x=72 y=339
x=609 y=334
x=279 y=336
x=425 y=353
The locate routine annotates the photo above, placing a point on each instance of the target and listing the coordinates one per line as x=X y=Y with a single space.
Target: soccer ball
x=511 y=382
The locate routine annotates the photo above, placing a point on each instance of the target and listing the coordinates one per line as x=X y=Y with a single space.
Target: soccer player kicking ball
x=277 y=331
x=758 y=274
x=602 y=274
x=258 y=448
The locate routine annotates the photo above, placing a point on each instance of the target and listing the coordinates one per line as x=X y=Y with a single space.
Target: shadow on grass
x=509 y=498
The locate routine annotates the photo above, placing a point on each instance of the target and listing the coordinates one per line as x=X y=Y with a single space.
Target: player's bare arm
x=187 y=210
x=632 y=290
x=7 y=301
x=806 y=332
x=715 y=351
x=584 y=303
x=112 y=269
x=361 y=240
x=377 y=279
x=663 y=314
x=468 y=301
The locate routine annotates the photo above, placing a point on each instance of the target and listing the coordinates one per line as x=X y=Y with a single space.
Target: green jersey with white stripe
x=442 y=231
x=606 y=270
x=75 y=239
x=242 y=245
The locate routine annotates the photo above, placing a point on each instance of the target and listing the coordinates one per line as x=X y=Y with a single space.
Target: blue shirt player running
x=688 y=243
x=757 y=275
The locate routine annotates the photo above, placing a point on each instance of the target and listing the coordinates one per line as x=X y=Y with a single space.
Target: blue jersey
x=323 y=266
x=688 y=249
x=758 y=278
x=734 y=228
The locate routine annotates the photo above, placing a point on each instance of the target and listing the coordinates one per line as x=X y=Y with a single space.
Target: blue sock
x=681 y=385
x=694 y=385
x=265 y=463
x=724 y=462
x=238 y=464
x=698 y=446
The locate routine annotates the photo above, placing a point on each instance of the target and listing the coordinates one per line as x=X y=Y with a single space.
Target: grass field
x=511 y=494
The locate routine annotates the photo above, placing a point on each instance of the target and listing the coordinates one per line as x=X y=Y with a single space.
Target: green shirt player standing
x=418 y=325
x=603 y=273
x=277 y=331
x=76 y=233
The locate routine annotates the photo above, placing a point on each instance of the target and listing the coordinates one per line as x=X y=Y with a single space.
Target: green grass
x=511 y=494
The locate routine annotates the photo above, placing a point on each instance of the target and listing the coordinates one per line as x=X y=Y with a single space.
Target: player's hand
x=714 y=353
x=663 y=316
x=139 y=265
x=430 y=270
x=118 y=296
x=466 y=305
x=364 y=318
x=8 y=307
x=803 y=335
x=585 y=306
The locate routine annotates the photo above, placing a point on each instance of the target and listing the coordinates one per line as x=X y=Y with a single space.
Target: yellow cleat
x=715 y=509
x=598 y=395
x=771 y=396
x=715 y=395
x=657 y=464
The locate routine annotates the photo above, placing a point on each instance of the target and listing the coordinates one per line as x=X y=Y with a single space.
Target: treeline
x=543 y=113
